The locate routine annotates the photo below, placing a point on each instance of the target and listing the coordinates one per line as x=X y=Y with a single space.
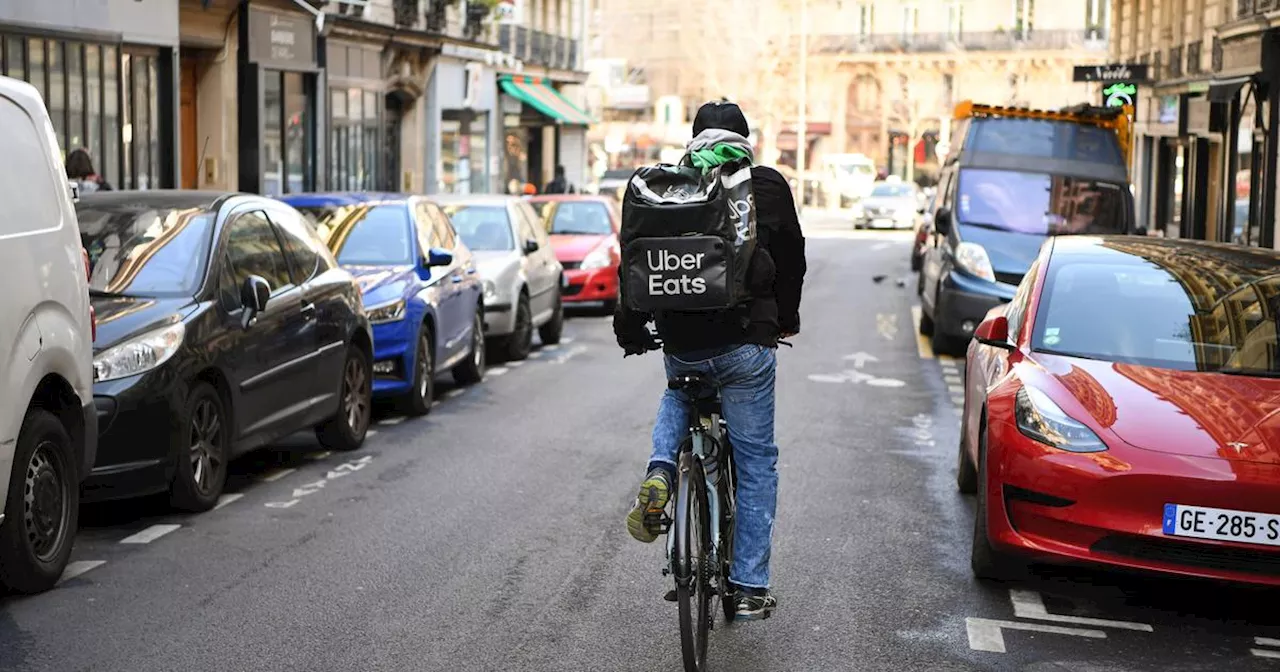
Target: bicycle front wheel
x=693 y=542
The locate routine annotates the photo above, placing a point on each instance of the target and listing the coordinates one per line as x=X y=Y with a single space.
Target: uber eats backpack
x=687 y=237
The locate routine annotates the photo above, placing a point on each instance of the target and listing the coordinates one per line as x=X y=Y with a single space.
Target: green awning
x=535 y=93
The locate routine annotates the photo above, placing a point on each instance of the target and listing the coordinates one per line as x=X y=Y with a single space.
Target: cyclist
x=737 y=349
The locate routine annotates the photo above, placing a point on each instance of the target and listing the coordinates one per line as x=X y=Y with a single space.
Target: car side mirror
x=254 y=294
x=530 y=246
x=942 y=221
x=438 y=256
x=994 y=331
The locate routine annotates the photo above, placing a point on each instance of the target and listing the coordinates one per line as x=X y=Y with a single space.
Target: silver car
x=891 y=205
x=521 y=276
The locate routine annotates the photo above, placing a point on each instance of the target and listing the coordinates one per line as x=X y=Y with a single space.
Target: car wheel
x=346 y=429
x=418 y=401
x=200 y=440
x=520 y=341
x=985 y=561
x=471 y=371
x=966 y=473
x=43 y=506
x=550 y=332
x=945 y=345
x=926 y=323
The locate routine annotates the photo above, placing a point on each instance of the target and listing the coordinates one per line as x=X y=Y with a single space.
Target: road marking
x=567 y=340
x=312 y=488
x=570 y=354
x=227 y=499
x=498 y=370
x=856 y=377
x=281 y=505
x=859 y=359
x=923 y=348
x=394 y=420
x=79 y=567
x=1266 y=641
x=955 y=389
x=985 y=634
x=952 y=378
x=887 y=325
x=886 y=382
x=315 y=457
x=149 y=535
x=549 y=348
x=1265 y=653
x=880 y=246
x=454 y=393
x=1029 y=604
x=371 y=432
x=273 y=476
x=949 y=361
x=516 y=364
x=535 y=354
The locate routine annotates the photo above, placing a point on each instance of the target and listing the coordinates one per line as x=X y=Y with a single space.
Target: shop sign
x=1115 y=72
x=1242 y=55
x=1168 y=112
x=278 y=40
x=467 y=52
x=1119 y=94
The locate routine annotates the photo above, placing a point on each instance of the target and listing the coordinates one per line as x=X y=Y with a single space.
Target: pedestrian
x=739 y=348
x=80 y=170
x=559 y=184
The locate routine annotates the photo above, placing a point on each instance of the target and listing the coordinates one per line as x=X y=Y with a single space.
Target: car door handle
x=457 y=278
x=308 y=310
x=471 y=271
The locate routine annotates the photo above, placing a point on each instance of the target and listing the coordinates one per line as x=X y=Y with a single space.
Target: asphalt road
x=489 y=535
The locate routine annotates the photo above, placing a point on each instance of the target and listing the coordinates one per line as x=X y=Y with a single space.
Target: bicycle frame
x=707 y=432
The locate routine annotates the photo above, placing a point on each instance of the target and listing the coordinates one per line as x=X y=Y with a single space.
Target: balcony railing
x=538 y=47
x=1250 y=8
x=1093 y=39
x=1193 y=58
x=1174 y=66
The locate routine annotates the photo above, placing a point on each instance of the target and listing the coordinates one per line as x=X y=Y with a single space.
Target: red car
x=584 y=235
x=1124 y=409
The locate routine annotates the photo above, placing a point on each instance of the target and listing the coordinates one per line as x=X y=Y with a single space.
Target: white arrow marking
x=827 y=378
x=277 y=475
x=985 y=634
x=861 y=358
x=308 y=489
x=281 y=505
x=1029 y=604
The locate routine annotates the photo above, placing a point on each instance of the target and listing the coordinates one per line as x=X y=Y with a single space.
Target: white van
x=48 y=425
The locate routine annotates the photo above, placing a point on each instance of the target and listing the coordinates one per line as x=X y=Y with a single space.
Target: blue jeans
x=745 y=376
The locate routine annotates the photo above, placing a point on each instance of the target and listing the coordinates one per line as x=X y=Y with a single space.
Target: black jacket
x=776 y=277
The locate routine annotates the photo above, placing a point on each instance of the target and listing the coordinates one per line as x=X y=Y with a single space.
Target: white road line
x=567 y=340
x=273 y=476
x=226 y=499
x=323 y=454
x=1029 y=604
x=1265 y=653
x=79 y=567
x=535 y=354
x=955 y=389
x=516 y=364
x=393 y=420
x=150 y=534
x=985 y=634
x=371 y=432
x=570 y=354
x=1266 y=641
x=880 y=246
x=498 y=370
x=454 y=393
x=948 y=360
x=549 y=348
x=952 y=379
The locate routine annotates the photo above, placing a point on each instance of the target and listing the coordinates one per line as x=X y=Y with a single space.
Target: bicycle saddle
x=695 y=385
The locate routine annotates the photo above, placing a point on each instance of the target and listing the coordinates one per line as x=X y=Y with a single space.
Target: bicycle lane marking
x=334 y=474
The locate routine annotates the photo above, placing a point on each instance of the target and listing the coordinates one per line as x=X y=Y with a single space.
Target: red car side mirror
x=994 y=332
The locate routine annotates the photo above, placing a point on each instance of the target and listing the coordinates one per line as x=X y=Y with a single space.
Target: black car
x=224 y=323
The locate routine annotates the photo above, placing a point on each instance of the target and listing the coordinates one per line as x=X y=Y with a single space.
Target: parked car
x=613 y=183
x=920 y=236
x=223 y=324
x=890 y=205
x=522 y=277
x=421 y=289
x=1122 y=411
x=48 y=424
x=584 y=235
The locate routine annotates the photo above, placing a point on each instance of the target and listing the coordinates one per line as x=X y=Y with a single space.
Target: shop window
x=356 y=117
x=111 y=116
x=15 y=57
x=93 y=105
x=464 y=152
x=127 y=118
x=36 y=66
x=75 y=96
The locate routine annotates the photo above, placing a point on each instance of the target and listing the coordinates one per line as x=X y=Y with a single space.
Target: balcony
x=1092 y=39
x=1250 y=8
x=536 y=47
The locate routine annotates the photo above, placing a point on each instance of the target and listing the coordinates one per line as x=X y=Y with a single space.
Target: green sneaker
x=654 y=494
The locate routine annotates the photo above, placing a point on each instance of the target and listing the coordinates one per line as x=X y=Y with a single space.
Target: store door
x=534 y=161
x=188 y=123
x=288 y=126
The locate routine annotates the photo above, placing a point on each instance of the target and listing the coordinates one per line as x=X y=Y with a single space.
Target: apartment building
x=280 y=96
x=1205 y=159
x=883 y=75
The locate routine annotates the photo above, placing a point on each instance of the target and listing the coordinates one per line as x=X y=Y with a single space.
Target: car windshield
x=367 y=235
x=1163 y=311
x=1046 y=139
x=1039 y=203
x=482 y=227
x=140 y=251
x=576 y=218
x=854 y=169
x=887 y=190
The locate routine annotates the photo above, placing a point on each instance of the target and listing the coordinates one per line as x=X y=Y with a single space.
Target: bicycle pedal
x=670 y=596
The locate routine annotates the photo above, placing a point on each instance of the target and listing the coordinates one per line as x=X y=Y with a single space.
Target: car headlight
x=387 y=312
x=1042 y=420
x=139 y=354
x=973 y=259
x=490 y=291
x=600 y=257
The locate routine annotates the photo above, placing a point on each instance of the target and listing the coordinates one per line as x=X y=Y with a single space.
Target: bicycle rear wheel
x=693 y=540
x=728 y=519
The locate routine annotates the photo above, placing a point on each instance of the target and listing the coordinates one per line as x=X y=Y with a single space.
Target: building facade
x=883 y=75
x=283 y=96
x=1205 y=147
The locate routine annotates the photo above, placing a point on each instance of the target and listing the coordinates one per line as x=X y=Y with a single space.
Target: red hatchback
x=1124 y=409
x=584 y=235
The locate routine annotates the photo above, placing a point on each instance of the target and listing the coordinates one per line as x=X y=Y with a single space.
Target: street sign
x=1116 y=72
x=1119 y=94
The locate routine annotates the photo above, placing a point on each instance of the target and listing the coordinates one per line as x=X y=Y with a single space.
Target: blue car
x=421 y=290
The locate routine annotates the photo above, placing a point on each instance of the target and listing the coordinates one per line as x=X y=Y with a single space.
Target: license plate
x=1204 y=522
x=882 y=223
x=564 y=281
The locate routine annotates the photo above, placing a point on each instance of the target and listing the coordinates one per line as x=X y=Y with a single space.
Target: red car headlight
x=1040 y=419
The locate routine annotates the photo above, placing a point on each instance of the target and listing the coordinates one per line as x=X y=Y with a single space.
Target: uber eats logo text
x=663 y=261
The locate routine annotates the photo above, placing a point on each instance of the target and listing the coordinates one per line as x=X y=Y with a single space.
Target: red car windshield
x=568 y=218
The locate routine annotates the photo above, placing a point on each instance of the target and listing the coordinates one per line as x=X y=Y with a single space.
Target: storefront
x=279 y=85
x=107 y=75
x=463 y=159
x=1160 y=165
x=360 y=155
x=542 y=129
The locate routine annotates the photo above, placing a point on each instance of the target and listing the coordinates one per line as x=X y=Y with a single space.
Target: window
x=445 y=236
x=15 y=57
x=25 y=171
x=1095 y=18
x=955 y=20
x=299 y=243
x=357 y=114
x=577 y=218
x=866 y=18
x=373 y=235
x=141 y=131
x=145 y=251
x=910 y=21
x=482 y=227
x=253 y=249
x=1023 y=17
x=1017 y=310
x=1047 y=139
x=287 y=137
x=111 y=115
x=531 y=225
x=1039 y=203
x=424 y=226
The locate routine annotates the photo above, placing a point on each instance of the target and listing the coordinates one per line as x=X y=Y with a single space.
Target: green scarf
x=710 y=157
